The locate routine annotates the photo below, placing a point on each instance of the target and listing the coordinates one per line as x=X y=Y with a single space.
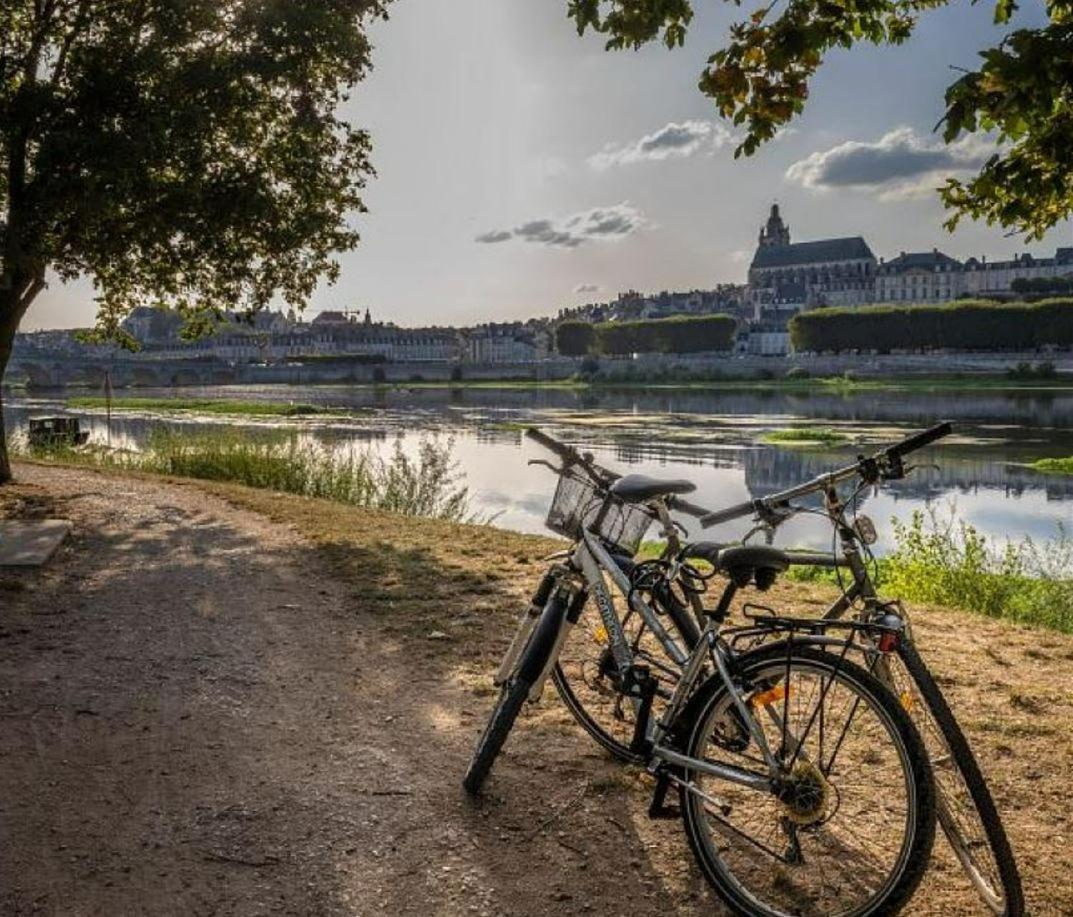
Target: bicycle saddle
x=743 y=563
x=636 y=488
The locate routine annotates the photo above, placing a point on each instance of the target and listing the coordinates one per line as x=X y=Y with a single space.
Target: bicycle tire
x=1011 y=901
x=682 y=624
x=916 y=851
x=529 y=667
x=511 y=698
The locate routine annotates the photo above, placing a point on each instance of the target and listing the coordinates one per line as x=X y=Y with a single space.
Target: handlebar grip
x=548 y=442
x=684 y=506
x=920 y=440
x=725 y=515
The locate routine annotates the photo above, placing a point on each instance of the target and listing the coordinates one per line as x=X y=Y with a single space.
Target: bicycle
x=803 y=785
x=966 y=810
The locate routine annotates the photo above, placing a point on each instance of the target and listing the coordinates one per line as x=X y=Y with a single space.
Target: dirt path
x=199 y=715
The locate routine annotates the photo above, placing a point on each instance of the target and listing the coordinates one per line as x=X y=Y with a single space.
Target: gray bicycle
x=803 y=785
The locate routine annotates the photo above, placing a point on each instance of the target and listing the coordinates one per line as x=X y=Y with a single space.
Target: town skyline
x=575 y=174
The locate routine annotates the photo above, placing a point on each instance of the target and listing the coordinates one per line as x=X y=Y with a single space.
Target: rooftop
x=851 y=248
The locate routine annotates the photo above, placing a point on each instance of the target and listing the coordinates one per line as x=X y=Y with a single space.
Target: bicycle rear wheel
x=966 y=810
x=848 y=827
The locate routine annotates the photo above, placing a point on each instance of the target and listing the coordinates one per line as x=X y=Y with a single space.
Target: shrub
x=963 y=325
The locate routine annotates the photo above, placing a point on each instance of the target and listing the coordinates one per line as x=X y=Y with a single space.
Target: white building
x=919 y=277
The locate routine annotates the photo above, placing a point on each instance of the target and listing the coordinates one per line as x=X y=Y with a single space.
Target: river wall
x=144 y=372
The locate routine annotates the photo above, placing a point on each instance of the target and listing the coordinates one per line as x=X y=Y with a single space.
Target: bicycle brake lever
x=546 y=464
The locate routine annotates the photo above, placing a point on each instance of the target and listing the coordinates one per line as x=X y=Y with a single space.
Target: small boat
x=56 y=431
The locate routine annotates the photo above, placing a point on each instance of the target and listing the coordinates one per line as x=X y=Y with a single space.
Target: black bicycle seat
x=636 y=488
x=761 y=562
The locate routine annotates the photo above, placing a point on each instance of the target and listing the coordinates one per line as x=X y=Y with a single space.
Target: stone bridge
x=58 y=373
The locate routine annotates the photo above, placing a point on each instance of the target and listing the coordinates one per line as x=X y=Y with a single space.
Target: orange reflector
x=600 y=635
x=907 y=701
x=771 y=696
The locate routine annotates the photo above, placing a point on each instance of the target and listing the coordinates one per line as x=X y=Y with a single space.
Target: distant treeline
x=682 y=334
x=965 y=325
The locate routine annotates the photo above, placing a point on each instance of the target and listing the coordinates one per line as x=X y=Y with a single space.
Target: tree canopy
x=189 y=154
x=1021 y=92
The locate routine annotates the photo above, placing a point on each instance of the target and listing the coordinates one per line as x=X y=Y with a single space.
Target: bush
x=1030 y=371
x=966 y=325
x=574 y=339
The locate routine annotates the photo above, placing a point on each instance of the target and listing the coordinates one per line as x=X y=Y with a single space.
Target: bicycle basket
x=578 y=505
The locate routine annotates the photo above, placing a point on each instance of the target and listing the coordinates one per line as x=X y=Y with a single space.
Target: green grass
x=839 y=384
x=1053 y=465
x=428 y=484
x=943 y=560
x=804 y=436
x=205 y=406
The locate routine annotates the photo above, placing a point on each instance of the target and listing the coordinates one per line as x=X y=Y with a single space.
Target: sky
x=522 y=168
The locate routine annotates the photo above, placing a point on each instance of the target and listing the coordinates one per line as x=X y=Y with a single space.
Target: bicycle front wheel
x=966 y=811
x=847 y=827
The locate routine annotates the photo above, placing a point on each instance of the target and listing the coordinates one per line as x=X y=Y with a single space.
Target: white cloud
x=673 y=140
x=608 y=224
x=899 y=165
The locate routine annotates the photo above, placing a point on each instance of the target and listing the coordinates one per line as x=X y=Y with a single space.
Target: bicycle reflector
x=891 y=637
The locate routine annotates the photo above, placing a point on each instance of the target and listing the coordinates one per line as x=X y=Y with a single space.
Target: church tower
x=775 y=232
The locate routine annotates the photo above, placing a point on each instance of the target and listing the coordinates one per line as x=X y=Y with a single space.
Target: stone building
x=830 y=272
x=920 y=277
x=983 y=277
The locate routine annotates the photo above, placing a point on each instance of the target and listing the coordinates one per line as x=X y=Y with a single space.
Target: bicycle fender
x=535 y=656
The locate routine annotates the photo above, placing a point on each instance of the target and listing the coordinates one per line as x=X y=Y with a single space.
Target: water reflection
x=709 y=437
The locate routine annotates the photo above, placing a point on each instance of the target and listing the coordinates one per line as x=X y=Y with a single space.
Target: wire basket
x=579 y=505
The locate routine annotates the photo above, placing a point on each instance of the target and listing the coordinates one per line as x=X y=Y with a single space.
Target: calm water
x=709 y=437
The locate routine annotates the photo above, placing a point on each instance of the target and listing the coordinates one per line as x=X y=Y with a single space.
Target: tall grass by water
x=941 y=559
x=426 y=484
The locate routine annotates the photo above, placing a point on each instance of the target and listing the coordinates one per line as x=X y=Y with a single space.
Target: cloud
x=670 y=141
x=600 y=223
x=587 y=288
x=900 y=164
x=496 y=235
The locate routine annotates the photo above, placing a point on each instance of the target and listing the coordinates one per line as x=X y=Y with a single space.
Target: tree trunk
x=7 y=339
x=12 y=307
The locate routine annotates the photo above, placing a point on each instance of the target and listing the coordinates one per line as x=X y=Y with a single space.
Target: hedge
x=682 y=334
x=964 y=325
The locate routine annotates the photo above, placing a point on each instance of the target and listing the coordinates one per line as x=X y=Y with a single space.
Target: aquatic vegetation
x=205 y=406
x=805 y=436
x=1054 y=465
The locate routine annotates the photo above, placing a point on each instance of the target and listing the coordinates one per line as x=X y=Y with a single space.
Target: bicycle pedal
x=664 y=813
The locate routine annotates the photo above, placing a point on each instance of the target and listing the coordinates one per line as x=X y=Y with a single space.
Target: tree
x=574 y=339
x=1022 y=91
x=185 y=154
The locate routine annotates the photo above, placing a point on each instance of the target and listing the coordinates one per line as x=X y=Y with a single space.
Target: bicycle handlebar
x=886 y=463
x=603 y=476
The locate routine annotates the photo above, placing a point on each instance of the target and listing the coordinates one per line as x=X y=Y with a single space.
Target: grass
x=943 y=560
x=1053 y=465
x=843 y=384
x=428 y=484
x=805 y=436
x=205 y=406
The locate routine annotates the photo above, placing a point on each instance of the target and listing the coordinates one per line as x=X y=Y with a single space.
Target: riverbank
x=218 y=696
x=215 y=406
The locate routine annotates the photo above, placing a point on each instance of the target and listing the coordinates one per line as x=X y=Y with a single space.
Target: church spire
x=775 y=232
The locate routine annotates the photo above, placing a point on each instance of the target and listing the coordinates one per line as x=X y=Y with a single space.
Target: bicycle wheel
x=587 y=677
x=530 y=665
x=965 y=808
x=848 y=828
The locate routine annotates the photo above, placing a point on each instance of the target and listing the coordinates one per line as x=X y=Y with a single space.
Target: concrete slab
x=30 y=543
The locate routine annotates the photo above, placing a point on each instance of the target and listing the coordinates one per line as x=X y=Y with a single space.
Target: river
x=709 y=436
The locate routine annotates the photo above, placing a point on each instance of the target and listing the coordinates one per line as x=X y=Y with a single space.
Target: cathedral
x=785 y=276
